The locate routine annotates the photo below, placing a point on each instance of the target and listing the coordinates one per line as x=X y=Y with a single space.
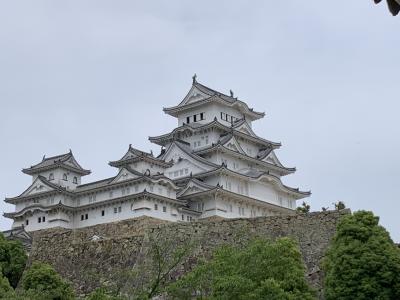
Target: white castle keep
x=212 y=164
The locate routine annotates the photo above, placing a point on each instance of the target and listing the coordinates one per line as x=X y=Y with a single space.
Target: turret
x=62 y=170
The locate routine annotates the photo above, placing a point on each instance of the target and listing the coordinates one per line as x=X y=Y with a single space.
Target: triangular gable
x=129 y=154
x=38 y=186
x=71 y=161
x=234 y=145
x=184 y=160
x=192 y=187
x=183 y=167
x=273 y=159
x=246 y=129
x=123 y=175
x=194 y=95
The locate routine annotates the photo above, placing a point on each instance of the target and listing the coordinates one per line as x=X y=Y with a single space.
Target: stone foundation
x=95 y=256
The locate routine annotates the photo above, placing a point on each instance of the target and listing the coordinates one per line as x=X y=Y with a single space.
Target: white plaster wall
x=58 y=177
x=211 y=110
x=143 y=166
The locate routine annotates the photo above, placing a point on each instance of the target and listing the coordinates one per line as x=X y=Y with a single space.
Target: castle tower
x=211 y=164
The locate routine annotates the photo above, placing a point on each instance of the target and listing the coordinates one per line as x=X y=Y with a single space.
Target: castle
x=211 y=164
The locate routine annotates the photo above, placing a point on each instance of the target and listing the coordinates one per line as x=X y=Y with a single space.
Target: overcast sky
x=94 y=76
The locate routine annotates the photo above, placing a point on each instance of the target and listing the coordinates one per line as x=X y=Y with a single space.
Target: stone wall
x=95 y=256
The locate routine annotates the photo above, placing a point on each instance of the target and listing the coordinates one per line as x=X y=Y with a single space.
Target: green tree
x=339 y=205
x=6 y=291
x=102 y=294
x=42 y=280
x=304 y=208
x=362 y=262
x=12 y=260
x=261 y=270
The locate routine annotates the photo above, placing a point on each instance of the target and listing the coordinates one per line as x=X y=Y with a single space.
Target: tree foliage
x=362 y=262
x=339 y=205
x=261 y=270
x=304 y=208
x=43 y=281
x=12 y=260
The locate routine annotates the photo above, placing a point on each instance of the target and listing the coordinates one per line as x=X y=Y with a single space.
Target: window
x=183 y=218
x=119 y=209
x=201 y=116
x=187 y=120
x=187 y=218
x=51 y=176
x=43 y=219
x=115 y=210
x=86 y=216
x=156 y=206
x=164 y=209
x=39 y=220
x=110 y=194
x=65 y=177
x=195 y=118
x=103 y=213
x=75 y=180
x=82 y=217
x=27 y=222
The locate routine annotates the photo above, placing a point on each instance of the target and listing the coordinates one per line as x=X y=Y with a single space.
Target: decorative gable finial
x=194 y=78
x=44 y=157
x=151 y=153
x=231 y=92
x=70 y=151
